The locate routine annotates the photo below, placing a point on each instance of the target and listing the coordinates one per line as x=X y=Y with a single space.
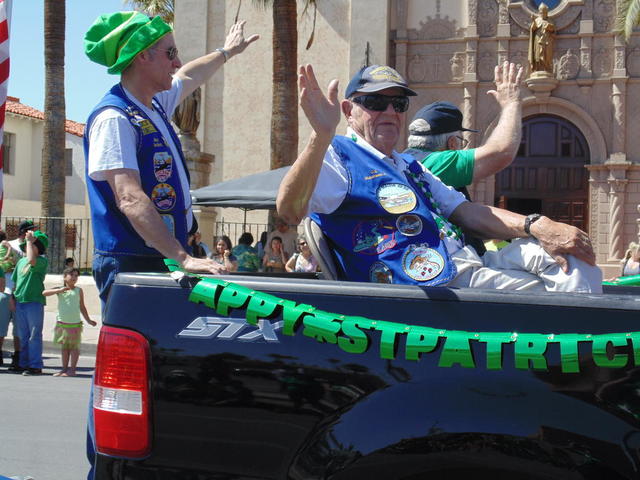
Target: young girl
x=276 y=260
x=68 y=328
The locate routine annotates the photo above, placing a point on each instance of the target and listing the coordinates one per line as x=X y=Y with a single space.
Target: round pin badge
x=380 y=273
x=396 y=198
x=372 y=237
x=163 y=197
x=409 y=225
x=162 y=166
x=422 y=263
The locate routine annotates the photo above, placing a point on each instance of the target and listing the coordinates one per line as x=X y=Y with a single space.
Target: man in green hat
x=137 y=179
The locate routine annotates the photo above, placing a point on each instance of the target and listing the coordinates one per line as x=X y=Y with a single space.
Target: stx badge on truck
x=225 y=328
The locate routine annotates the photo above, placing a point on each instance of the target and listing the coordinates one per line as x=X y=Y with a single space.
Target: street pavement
x=44 y=427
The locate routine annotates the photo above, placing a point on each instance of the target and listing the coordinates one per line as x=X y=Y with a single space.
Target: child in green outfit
x=68 y=330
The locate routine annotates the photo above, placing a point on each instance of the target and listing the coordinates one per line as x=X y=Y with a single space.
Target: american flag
x=5 y=16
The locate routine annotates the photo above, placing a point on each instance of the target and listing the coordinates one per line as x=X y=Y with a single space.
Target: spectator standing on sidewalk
x=29 y=279
x=6 y=306
x=68 y=329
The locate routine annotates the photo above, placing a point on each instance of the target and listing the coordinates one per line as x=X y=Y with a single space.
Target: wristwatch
x=529 y=220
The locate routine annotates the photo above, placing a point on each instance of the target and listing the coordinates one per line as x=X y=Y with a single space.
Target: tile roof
x=14 y=106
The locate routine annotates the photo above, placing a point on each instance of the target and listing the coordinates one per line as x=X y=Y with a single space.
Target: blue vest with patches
x=113 y=234
x=384 y=230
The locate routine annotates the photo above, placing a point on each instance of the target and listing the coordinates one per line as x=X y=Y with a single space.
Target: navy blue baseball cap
x=375 y=78
x=441 y=117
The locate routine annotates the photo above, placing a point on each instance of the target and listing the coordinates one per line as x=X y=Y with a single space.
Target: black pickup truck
x=250 y=377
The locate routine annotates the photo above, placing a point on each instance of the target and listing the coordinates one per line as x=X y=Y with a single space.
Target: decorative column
x=618 y=97
x=585 y=77
x=472 y=42
x=617 y=185
x=401 y=37
x=504 y=31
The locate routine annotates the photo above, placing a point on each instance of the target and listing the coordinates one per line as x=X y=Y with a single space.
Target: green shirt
x=29 y=280
x=453 y=167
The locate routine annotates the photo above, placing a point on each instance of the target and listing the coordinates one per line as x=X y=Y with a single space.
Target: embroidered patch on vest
x=372 y=237
x=163 y=197
x=162 y=166
x=409 y=225
x=396 y=198
x=422 y=263
x=380 y=273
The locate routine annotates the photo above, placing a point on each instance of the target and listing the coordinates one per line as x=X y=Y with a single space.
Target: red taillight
x=121 y=394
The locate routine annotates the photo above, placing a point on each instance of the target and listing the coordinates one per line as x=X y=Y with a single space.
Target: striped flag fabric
x=5 y=16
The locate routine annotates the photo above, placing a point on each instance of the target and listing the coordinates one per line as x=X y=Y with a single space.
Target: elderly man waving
x=390 y=220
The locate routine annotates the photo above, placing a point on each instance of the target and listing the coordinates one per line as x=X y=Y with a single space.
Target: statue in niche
x=457 y=67
x=187 y=114
x=541 y=39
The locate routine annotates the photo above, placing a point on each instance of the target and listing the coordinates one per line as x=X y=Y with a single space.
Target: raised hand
x=508 y=79
x=235 y=42
x=322 y=111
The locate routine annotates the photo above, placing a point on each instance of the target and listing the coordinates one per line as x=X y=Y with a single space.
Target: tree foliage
x=153 y=8
x=627 y=18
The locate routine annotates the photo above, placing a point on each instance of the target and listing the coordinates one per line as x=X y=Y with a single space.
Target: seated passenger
x=390 y=220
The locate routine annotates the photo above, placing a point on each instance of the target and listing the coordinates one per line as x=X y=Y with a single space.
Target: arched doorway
x=548 y=174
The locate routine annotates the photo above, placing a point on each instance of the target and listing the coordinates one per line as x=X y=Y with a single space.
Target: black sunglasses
x=379 y=103
x=172 y=53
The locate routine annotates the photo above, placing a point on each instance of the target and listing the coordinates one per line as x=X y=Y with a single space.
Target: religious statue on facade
x=541 y=39
x=187 y=114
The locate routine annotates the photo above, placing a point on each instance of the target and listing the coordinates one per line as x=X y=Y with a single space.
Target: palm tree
x=628 y=17
x=162 y=8
x=53 y=152
x=284 y=104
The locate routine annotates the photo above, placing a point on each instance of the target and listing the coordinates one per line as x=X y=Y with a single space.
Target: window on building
x=8 y=152
x=68 y=162
x=549 y=3
x=70 y=236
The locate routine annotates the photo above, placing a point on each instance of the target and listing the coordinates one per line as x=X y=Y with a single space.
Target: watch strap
x=529 y=220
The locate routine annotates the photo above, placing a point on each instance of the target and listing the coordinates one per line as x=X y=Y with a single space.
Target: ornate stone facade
x=447 y=50
x=593 y=89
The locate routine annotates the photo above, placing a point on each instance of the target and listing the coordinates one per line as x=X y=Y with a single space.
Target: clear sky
x=85 y=81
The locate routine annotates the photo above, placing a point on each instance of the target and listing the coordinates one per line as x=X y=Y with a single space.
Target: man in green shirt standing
x=435 y=135
x=435 y=138
x=28 y=277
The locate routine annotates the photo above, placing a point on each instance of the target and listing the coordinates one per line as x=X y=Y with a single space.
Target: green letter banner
x=354 y=334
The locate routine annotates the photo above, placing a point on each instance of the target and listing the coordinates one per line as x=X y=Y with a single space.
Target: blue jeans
x=30 y=317
x=105 y=269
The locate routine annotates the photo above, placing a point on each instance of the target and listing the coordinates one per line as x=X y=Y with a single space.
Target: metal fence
x=233 y=230
x=77 y=235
